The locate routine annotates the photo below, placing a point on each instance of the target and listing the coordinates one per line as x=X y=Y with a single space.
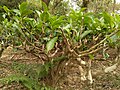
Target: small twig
x=68 y=44
x=96 y=38
x=91 y=52
x=99 y=42
x=66 y=41
x=52 y=55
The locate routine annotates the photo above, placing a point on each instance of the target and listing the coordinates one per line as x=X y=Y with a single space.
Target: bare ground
x=70 y=77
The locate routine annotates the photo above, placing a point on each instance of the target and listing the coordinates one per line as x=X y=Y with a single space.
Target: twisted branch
x=89 y=51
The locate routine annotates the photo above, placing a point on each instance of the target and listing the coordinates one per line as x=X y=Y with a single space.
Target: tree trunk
x=114 y=2
x=46 y=2
x=85 y=4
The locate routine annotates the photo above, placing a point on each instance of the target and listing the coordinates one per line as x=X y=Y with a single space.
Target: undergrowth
x=27 y=82
x=30 y=75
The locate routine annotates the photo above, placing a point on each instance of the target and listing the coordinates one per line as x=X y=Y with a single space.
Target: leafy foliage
x=74 y=35
x=51 y=43
x=33 y=71
x=29 y=83
x=30 y=75
x=10 y=4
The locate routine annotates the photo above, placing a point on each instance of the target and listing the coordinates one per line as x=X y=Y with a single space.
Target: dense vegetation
x=58 y=38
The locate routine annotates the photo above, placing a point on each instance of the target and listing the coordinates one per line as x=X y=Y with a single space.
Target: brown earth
x=70 y=77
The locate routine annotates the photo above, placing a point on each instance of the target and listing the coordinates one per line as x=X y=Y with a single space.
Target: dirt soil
x=71 y=76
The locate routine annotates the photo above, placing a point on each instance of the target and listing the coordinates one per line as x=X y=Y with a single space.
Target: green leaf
x=45 y=8
x=91 y=56
x=0 y=7
x=88 y=20
x=77 y=36
x=16 y=11
x=82 y=9
x=6 y=9
x=105 y=55
x=23 y=6
x=26 y=12
x=51 y=44
x=24 y=9
x=108 y=19
x=85 y=33
x=28 y=19
x=56 y=23
x=44 y=16
x=38 y=12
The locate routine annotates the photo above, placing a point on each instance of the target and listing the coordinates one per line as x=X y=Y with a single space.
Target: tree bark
x=114 y=2
x=46 y=2
x=85 y=4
